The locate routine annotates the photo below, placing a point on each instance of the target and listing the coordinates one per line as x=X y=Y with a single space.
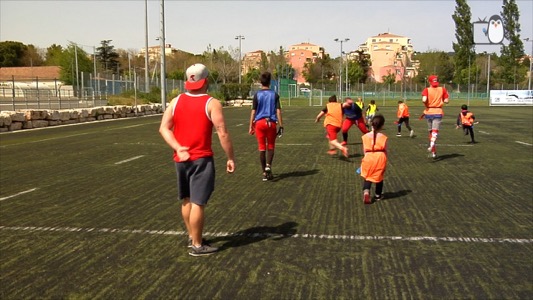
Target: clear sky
x=266 y=25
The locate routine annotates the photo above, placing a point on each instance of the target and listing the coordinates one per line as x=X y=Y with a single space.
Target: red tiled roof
x=20 y=73
x=386 y=34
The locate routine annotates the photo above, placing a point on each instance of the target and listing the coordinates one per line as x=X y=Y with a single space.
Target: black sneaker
x=268 y=173
x=202 y=250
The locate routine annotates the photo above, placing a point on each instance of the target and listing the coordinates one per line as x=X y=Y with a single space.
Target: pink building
x=390 y=54
x=300 y=54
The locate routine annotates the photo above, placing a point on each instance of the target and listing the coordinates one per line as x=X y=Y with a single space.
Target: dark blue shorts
x=196 y=180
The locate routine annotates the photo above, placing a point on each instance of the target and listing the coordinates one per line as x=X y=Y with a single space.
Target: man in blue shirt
x=264 y=120
x=354 y=116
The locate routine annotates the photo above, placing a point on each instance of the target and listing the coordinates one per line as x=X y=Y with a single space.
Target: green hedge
x=231 y=91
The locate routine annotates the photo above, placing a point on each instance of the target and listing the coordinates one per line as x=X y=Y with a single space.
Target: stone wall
x=37 y=118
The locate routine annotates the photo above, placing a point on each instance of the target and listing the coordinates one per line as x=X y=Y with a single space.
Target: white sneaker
x=411 y=133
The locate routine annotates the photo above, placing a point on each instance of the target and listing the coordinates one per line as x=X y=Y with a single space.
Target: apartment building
x=154 y=52
x=390 y=54
x=300 y=54
x=251 y=60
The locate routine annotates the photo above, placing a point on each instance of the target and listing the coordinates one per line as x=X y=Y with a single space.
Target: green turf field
x=90 y=212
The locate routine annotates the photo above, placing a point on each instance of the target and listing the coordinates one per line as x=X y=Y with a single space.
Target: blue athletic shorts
x=196 y=179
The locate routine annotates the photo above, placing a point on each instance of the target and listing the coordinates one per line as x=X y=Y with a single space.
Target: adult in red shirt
x=434 y=97
x=187 y=127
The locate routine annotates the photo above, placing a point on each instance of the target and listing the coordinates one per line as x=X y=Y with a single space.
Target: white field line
x=239 y=125
x=140 y=143
x=269 y=235
x=449 y=145
x=484 y=132
x=17 y=194
x=281 y=144
x=524 y=143
x=72 y=135
x=129 y=159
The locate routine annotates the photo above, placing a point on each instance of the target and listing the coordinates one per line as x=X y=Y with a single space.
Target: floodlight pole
x=530 y=63
x=146 y=71
x=468 y=93
x=77 y=72
x=340 y=66
x=240 y=38
x=163 y=54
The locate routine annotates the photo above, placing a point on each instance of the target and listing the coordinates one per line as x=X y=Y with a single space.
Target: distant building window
x=373 y=40
x=391 y=40
x=375 y=47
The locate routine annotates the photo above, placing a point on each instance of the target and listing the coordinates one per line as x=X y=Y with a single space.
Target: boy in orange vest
x=333 y=121
x=466 y=120
x=403 y=116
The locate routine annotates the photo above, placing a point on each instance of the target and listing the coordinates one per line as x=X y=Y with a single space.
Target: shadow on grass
x=447 y=156
x=391 y=195
x=256 y=234
x=295 y=174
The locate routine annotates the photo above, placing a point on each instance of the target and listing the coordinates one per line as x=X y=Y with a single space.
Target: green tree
x=11 y=54
x=226 y=67
x=53 y=55
x=252 y=76
x=356 y=73
x=436 y=62
x=32 y=56
x=464 y=48
x=107 y=56
x=320 y=72
x=511 y=71
x=389 y=79
x=359 y=68
x=68 y=64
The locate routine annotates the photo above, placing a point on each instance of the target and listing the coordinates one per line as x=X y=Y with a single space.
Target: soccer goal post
x=316 y=97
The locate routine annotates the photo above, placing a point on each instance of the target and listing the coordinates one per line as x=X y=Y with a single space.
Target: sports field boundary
x=262 y=235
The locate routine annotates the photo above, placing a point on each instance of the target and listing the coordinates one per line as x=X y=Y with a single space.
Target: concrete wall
x=37 y=118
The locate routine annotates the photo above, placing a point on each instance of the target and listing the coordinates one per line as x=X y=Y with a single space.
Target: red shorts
x=265 y=134
x=360 y=123
x=332 y=132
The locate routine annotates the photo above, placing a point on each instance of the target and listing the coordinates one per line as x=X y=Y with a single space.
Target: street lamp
x=530 y=63
x=340 y=67
x=240 y=38
x=488 y=75
x=346 y=79
x=163 y=54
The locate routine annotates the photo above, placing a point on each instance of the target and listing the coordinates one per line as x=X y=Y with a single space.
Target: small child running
x=403 y=117
x=371 y=111
x=466 y=120
x=333 y=121
x=374 y=162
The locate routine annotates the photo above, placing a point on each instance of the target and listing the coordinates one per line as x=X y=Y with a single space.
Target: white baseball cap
x=196 y=76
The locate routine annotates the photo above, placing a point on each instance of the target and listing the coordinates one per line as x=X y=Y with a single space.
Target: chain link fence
x=90 y=91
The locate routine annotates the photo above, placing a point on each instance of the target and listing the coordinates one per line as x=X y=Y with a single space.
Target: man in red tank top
x=187 y=127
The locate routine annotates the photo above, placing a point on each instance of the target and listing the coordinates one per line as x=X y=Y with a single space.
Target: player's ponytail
x=377 y=123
